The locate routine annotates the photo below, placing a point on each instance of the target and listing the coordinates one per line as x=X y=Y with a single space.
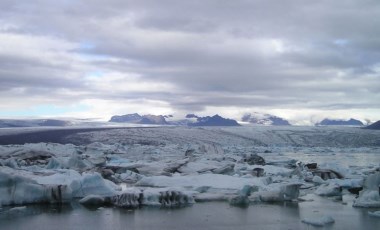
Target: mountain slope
x=375 y=125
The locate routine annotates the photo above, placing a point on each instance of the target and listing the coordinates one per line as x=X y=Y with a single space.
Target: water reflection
x=210 y=216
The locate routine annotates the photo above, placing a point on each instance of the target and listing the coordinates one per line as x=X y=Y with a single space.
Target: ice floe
x=319 y=221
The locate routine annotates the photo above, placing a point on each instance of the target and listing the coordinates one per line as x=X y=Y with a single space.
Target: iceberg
x=374 y=214
x=92 y=200
x=329 y=190
x=93 y=184
x=369 y=197
x=319 y=221
x=18 y=190
x=287 y=192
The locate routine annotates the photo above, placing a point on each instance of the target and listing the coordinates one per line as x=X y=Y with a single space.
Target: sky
x=301 y=60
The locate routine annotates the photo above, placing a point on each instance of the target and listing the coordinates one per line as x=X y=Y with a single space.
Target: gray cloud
x=289 y=54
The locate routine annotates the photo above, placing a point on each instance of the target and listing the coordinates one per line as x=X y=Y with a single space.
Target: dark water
x=211 y=216
x=53 y=136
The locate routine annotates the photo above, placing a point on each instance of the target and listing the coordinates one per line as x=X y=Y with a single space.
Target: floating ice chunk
x=326 y=174
x=226 y=169
x=337 y=168
x=275 y=170
x=17 y=209
x=199 y=167
x=117 y=161
x=168 y=198
x=319 y=221
x=157 y=168
x=239 y=200
x=93 y=184
x=258 y=172
x=368 y=199
x=372 y=182
x=92 y=200
x=348 y=183
x=253 y=159
x=10 y=162
x=242 y=198
x=266 y=180
x=55 y=163
x=17 y=189
x=130 y=177
x=127 y=199
x=247 y=190
x=318 y=180
x=173 y=167
x=282 y=193
x=290 y=191
x=207 y=197
x=329 y=190
x=375 y=213
x=210 y=149
x=97 y=160
x=268 y=196
x=75 y=162
x=59 y=177
x=152 y=197
x=370 y=195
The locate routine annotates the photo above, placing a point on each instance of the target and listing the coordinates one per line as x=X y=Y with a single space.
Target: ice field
x=180 y=167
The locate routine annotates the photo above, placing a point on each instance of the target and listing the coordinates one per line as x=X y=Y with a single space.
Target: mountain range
x=215 y=120
x=136 y=118
x=350 y=122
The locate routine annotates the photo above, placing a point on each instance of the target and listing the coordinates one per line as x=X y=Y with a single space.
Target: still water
x=212 y=215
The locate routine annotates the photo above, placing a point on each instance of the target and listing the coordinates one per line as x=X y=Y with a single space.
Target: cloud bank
x=297 y=59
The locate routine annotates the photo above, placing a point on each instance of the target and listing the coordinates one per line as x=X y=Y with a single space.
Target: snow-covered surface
x=171 y=166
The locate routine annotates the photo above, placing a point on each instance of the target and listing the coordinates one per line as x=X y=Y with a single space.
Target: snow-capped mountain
x=215 y=120
x=264 y=119
x=350 y=122
x=140 y=119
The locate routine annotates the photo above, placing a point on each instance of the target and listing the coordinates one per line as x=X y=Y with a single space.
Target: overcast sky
x=302 y=60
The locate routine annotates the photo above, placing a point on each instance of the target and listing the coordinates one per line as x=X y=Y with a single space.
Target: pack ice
x=177 y=166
